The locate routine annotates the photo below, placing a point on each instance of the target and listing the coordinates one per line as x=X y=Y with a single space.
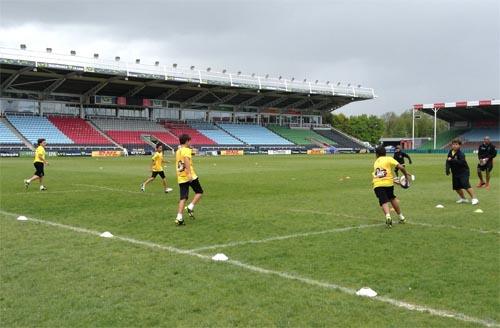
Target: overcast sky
x=417 y=51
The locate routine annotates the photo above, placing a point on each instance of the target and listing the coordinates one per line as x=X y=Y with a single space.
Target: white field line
x=53 y=192
x=422 y=224
x=285 y=275
x=295 y=235
x=111 y=189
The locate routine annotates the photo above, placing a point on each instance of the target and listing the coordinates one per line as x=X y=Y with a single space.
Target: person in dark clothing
x=485 y=154
x=400 y=157
x=460 y=173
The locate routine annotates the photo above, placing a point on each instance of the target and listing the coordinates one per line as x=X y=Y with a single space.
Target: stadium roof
x=46 y=75
x=463 y=110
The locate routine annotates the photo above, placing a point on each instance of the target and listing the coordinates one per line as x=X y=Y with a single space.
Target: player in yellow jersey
x=186 y=177
x=39 y=163
x=157 y=169
x=383 y=184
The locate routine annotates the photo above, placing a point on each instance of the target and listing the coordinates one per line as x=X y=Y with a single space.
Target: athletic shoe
x=480 y=184
x=402 y=220
x=179 y=222
x=475 y=201
x=388 y=222
x=42 y=188
x=26 y=184
x=190 y=212
x=142 y=188
x=462 y=200
x=487 y=186
x=168 y=190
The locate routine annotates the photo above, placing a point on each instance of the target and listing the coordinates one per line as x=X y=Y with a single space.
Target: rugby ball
x=404 y=183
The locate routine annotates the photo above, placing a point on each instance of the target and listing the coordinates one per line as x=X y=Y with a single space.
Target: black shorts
x=384 y=194
x=461 y=182
x=160 y=173
x=39 y=169
x=184 y=188
x=488 y=167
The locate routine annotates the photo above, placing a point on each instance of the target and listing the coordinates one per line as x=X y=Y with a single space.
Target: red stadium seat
x=79 y=130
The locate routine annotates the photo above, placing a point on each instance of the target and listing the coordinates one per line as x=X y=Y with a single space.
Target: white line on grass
x=446 y=226
x=53 y=192
x=295 y=235
x=286 y=275
x=110 y=189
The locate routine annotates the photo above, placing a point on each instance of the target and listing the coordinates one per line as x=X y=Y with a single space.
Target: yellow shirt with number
x=157 y=162
x=39 y=154
x=180 y=154
x=382 y=171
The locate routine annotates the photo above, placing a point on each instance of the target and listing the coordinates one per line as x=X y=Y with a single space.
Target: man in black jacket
x=485 y=154
x=400 y=157
x=460 y=172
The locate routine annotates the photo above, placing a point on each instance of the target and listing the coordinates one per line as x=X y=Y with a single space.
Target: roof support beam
x=299 y=103
x=8 y=82
x=274 y=102
x=250 y=101
x=95 y=89
x=56 y=84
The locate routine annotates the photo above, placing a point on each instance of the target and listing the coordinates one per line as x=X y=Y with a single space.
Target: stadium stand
x=479 y=133
x=7 y=137
x=214 y=133
x=341 y=140
x=443 y=139
x=302 y=137
x=129 y=132
x=254 y=134
x=34 y=127
x=78 y=130
x=197 y=138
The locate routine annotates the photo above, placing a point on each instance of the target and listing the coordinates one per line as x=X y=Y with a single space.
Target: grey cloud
x=409 y=51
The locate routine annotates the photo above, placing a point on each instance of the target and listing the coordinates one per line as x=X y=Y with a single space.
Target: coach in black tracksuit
x=485 y=154
x=459 y=168
x=399 y=156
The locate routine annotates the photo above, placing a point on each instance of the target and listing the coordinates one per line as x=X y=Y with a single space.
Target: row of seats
x=254 y=134
x=134 y=137
x=197 y=138
x=115 y=124
x=79 y=130
x=302 y=137
x=35 y=127
x=478 y=134
x=74 y=130
x=339 y=139
x=7 y=136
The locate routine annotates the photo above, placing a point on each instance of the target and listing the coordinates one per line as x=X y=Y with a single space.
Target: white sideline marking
x=111 y=189
x=295 y=235
x=286 y=275
x=51 y=192
x=408 y=222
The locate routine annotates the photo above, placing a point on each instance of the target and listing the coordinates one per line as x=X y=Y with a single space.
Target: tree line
x=371 y=127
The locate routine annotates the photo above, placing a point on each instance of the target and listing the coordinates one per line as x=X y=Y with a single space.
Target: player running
x=400 y=157
x=186 y=177
x=383 y=184
x=39 y=163
x=157 y=169
x=460 y=173
x=485 y=154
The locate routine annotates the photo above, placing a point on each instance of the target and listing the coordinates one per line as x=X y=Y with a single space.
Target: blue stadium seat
x=35 y=127
x=478 y=134
x=220 y=137
x=7 y=136
x=255 y=134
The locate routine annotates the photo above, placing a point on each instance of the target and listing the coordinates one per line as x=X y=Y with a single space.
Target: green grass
x=50 y=276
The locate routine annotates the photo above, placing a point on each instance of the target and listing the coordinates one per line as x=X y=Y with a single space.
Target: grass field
x=301 y=238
